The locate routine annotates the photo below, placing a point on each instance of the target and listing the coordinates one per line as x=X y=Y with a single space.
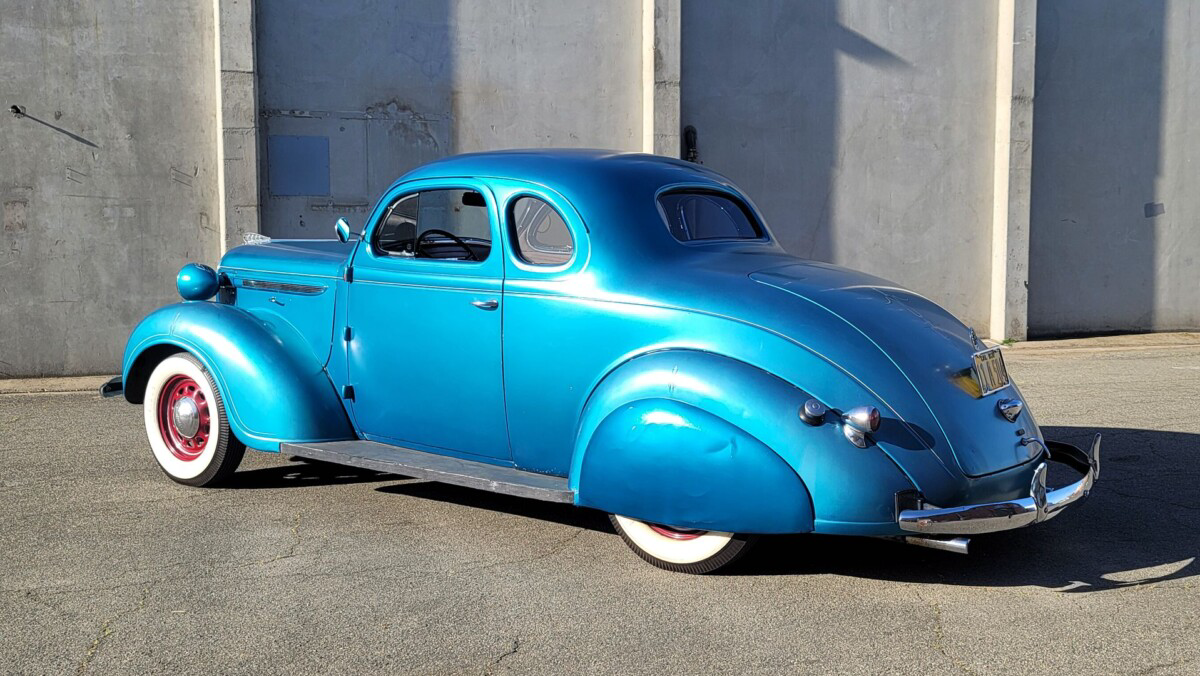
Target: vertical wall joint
x=1016 y=45
x=660 y=76
x=238 y=142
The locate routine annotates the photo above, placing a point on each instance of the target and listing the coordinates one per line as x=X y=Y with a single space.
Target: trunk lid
x=931 y=348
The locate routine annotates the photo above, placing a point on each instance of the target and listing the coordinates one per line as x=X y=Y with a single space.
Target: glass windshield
x=692 y=216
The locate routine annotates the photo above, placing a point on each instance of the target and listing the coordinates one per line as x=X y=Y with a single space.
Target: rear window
x=694 y=216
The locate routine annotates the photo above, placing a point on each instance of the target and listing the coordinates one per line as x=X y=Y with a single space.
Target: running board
x=441 y=468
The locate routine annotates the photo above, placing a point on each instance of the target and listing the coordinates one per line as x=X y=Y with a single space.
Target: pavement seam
x=939 y=636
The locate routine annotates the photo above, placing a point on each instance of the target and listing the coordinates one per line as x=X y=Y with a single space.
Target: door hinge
x=348 y=392
x=348 y=275
x=346 y=333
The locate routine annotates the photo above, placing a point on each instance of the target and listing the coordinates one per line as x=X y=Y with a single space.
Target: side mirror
x=342 y=228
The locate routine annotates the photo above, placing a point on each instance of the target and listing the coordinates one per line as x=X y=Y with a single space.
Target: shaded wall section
x=863 y=131
x=108 y=184
x=356 y=93
x=1114 y=241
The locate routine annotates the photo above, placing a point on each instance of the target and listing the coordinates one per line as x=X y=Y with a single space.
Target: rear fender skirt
x=274 y=388
x=694 y=439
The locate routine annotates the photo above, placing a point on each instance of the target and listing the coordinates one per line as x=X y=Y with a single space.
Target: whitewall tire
x=186 y=424
x=681 y=550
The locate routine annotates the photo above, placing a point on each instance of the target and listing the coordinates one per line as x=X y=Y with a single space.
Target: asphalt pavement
x=108 y=567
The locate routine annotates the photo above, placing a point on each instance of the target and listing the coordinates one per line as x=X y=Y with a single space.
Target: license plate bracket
x=990 y=372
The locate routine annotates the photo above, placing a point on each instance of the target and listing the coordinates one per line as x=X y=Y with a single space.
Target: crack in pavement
x=106 y=630
x=291 y=551
x=516 y=645
x=1165 y=665
x=554 y=549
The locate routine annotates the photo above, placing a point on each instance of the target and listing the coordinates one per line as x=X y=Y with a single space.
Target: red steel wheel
x=186 y=424
x=183 y=417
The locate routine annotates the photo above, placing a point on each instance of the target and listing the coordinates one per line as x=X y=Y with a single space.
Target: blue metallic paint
x=415 y=331
x=729 y=337
x=745 y=408
x=273 y=388
x=666 y=462
x=196 y=281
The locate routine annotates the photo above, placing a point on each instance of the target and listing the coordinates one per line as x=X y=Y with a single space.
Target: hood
x=927 y=346
x=309 y=257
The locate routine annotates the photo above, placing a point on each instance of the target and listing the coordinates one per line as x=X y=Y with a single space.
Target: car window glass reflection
x=450 y=225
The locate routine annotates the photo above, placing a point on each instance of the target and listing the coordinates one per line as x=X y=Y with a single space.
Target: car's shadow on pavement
x=565 y=514
x=306 y=473
x=1140 y=525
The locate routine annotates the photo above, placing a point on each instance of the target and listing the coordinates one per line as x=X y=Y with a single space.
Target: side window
x=442 y=224
x=540 y=236
x=692 y=216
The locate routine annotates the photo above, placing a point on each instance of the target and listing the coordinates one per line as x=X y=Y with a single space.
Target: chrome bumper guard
x=1042 y=504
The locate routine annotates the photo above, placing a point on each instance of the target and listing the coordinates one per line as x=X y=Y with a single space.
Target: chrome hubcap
x=186 y=417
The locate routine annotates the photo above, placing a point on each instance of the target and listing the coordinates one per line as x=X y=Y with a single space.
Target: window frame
x=510 y=231
x=751 y=214
x=404 y=192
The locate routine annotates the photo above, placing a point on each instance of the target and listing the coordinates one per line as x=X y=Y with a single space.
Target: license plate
x=989 y=371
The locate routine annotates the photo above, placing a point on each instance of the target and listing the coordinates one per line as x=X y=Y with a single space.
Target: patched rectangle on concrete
x=14 y=215
x=298 y=165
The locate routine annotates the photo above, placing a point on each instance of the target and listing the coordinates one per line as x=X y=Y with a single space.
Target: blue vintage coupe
x=615 y=331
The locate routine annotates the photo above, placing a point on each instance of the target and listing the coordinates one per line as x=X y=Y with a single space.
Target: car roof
x=569 y=169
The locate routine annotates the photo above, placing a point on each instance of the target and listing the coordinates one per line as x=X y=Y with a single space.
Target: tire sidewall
x=200 y=470
x=700 y=555
x=681 y=552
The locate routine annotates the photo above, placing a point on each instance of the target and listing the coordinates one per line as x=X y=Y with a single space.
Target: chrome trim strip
x=235 y=268
x=283 y=287
x=1042 y=504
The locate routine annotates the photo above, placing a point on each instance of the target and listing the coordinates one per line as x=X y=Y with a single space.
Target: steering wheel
x=454 y=238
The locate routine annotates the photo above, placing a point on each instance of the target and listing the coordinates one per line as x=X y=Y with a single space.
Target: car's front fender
x=273 y=388
x=698 y=440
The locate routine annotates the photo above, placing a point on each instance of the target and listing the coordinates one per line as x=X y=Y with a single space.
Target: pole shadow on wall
x=765 y=96
x=1097 y=143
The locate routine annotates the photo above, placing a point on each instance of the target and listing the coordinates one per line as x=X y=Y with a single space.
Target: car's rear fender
x=698 y=440
x=273 y=387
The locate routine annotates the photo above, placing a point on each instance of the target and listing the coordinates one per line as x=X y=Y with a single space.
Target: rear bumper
x=113 y=388
x=1042 y=504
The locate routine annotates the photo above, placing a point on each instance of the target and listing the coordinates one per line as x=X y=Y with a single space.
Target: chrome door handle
x=486 y=304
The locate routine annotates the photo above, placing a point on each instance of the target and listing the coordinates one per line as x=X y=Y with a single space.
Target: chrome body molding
x=1042 y=504
x=283 y=287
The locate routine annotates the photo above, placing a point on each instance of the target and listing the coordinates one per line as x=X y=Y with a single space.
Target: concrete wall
x=108 y=184
x=890 y=137
x=863 y=131
x=392 y=85
x=1114 y=243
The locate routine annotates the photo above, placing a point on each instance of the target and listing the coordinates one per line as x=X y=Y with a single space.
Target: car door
x=556 y=340
x=423 y=354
